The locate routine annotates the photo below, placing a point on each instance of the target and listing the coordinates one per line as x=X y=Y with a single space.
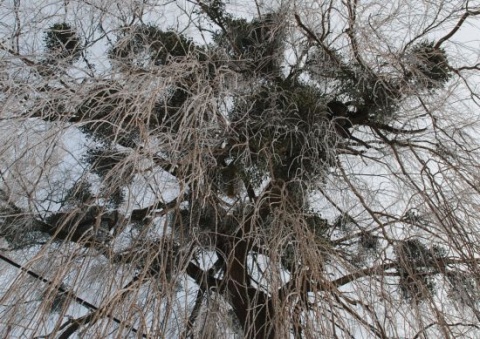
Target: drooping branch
x=63 y=290
x=258 y=322
x=74 y=324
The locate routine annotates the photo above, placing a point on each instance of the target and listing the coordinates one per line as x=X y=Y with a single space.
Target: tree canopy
x=213 y=169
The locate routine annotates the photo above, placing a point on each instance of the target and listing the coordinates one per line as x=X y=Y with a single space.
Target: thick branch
x=352 y=8
x=314 y=37
x=456 y=28
x=376 y=270
x=204 y=279
x=141 y=213
x=393 y=129
x=74 y=325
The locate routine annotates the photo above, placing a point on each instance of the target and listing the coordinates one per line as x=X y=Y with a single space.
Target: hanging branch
x=77 y=299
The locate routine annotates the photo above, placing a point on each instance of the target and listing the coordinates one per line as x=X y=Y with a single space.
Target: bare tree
x=209 y=169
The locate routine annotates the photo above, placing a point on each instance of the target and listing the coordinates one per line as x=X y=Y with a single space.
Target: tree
x=305 y=170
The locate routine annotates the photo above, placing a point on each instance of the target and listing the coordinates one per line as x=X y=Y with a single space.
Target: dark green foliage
x=369 y=241
x=412 y=216
x=79 y=194
x=206 y=218
x=58 y=297
x=78 y=218
x=101 y=102
x=104 y=132
x=105 y=113
x=430 y=65
x=143 y=44
x=180 y=218
x=288 y=257
x=104 y=161
x=53 y=109
x=258 y=43
x=203 y=219
x=82 y=223
x=227 y=179
x=417 y=267
x=323 y=64
x=168 y=111
x=109 y=165
x=317 y=225
x=76 y=222
x=280 y=122
x=19 y=235
x=62 y=41
x=377 y=98
x=343 y=222
x=269 y=143
x=464 y=287
x=215 y=9
x=116 y=198
x=157 y=258
x=380 y=99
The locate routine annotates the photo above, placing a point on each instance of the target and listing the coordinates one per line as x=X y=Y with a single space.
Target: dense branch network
x=246 y=144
